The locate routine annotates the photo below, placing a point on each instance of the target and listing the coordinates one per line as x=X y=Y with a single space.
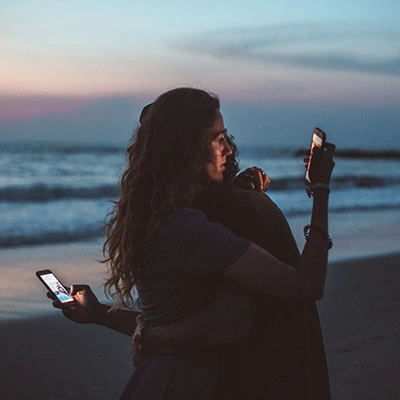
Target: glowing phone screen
x=57 y=288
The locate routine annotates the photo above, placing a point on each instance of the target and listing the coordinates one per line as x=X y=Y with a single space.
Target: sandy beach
x=360 y=318
x=44 y=356
x=52 y=358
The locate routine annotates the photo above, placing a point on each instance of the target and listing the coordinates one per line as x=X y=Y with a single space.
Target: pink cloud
x=25 y=107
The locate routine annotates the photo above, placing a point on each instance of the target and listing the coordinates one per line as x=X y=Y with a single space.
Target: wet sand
x=52 y=358
x=360 y=318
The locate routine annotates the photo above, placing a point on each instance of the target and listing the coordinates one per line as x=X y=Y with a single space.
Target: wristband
x=307 y=229
x=310 y=187
x=320 y=186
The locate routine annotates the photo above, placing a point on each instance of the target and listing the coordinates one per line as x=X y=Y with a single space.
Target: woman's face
x=217 y=149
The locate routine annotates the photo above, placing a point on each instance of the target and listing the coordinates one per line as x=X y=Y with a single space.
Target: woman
x=160 y=241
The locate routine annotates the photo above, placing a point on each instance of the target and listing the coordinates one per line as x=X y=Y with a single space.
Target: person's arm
x=258 y=270
x=123 y=321
x=227 y=320
x=88 y=310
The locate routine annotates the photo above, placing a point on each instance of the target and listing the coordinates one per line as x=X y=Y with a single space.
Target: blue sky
x=82 y=70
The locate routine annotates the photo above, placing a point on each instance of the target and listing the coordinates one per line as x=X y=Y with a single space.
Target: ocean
x=58 y=193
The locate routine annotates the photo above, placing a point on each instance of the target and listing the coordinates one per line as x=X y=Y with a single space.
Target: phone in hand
x=55 y=286
x=318 y=139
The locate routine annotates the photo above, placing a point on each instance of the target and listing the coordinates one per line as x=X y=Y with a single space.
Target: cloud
x=364 y=48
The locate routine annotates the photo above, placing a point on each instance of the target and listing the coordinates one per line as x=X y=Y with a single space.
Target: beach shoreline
x=43 y=355
x=355 y=235
x=49 y=357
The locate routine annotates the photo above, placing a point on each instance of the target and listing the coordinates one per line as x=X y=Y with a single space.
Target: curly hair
x=165 y=173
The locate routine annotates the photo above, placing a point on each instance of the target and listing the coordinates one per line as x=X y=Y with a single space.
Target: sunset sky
x=82 y=70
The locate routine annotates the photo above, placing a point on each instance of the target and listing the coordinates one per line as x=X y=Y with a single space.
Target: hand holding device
x=318 y=140
x=319 y=162
x=56 y=288
x=79 y=303
x=86 y=307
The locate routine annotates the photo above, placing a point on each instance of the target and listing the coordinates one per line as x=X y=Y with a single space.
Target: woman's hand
x=253 y=178
x=322 y=164
x=86 y=306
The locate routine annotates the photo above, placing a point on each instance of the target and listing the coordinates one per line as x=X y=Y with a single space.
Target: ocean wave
x=341 y=182
x=60 y=148
x=346 y=208
x=51 y=237
x=362 y=154
x=42 y=192
x=356 y=154
x=367 y=181
x=96 y=230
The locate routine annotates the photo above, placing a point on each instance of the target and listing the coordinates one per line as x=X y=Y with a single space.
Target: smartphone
x=318 y=139
x=55 y=286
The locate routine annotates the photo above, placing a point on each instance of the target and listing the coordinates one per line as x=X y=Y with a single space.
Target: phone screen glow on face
x=57 y=288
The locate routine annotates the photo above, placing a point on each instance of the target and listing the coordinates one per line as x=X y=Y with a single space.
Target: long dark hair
x=165 y=173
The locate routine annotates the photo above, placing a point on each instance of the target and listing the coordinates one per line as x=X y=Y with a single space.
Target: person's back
x=283 y=356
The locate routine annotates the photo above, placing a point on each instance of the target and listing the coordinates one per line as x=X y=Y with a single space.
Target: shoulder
x=184 y=225
x=254 y=215
x=189 y=214
x=192 y=223
x=252 y=202
x=183 y=218
x=189 y=241
x=191 y=227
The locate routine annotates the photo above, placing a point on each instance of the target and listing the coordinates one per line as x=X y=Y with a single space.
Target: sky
x=82 y=70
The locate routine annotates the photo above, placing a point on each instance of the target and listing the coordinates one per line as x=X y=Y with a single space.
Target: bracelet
x=320 y=186
x=307 y=229
x=310 y=187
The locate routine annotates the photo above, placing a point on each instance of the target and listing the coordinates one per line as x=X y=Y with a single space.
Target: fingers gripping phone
x=55 y=286
x=318 y=139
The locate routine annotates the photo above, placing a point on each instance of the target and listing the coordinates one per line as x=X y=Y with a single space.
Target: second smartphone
x=318 y=139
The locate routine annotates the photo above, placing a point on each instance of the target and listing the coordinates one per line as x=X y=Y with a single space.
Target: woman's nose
x=227 y=150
